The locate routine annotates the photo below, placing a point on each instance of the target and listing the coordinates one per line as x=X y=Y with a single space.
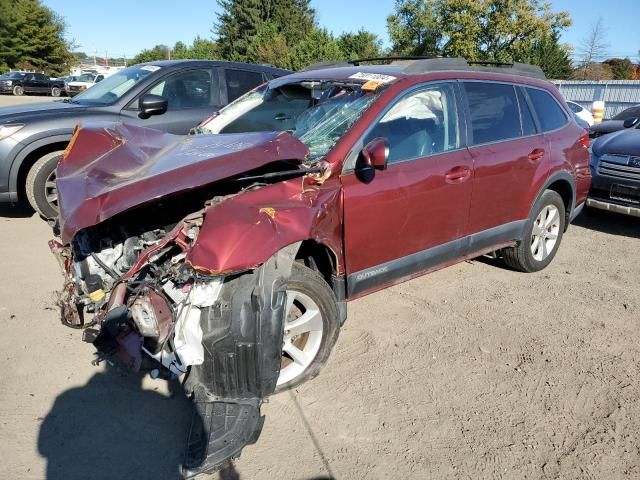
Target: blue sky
x=126 y=27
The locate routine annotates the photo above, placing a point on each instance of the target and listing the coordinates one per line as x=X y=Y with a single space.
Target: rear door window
x=550 y=114
x=240 y=82
x=493 y=108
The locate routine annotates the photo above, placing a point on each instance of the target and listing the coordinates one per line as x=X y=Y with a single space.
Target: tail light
x=584 y=139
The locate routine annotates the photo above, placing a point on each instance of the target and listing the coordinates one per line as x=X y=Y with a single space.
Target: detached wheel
x=55 y=92
x=542 y=235
x=41 y=185
x=311 y=327
x=18 y=90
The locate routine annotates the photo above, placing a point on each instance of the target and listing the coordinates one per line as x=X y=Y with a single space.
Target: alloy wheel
x=51 y=190
x=544 y=234
x=303 y=330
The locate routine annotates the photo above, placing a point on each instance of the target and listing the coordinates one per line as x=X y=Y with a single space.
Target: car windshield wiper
x=69 y=100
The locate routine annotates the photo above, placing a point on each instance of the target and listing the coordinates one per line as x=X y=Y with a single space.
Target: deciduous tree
x=621 y=68
x=318 y=46
x=593 y=48
x=362 y=44
x=500 y=30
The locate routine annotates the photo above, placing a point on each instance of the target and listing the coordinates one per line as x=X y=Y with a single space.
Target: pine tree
x=551 y=56
x=237 y=24
x=241 y=21
x=33 y=35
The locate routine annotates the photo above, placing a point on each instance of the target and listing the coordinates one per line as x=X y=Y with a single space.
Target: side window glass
x=550 y=115
x=494 y=111
x=188 y=89
x=420 y=124
x=528 y=124
x=240 y=82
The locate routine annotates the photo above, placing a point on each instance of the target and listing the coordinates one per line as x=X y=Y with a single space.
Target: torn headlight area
x=137 y=292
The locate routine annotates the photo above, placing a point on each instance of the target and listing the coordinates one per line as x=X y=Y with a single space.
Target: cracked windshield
x=317 y=113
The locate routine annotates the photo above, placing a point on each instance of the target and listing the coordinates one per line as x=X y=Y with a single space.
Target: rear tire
x=18 y=90
x=313 y=289
x=542 y=236
x=40 y=185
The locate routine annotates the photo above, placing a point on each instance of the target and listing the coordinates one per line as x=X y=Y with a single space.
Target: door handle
x=536 y=154
x=458 y=174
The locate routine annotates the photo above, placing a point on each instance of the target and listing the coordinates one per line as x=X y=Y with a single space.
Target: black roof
x=218 y=63
x=417 y=65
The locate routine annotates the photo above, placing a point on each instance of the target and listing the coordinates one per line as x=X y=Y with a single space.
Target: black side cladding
x=243 y=346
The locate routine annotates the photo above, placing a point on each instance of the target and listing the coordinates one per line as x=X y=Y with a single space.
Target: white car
x=581 y=112
x=83 y=82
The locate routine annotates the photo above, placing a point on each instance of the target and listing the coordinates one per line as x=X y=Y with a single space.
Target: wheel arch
x=28 y=157
x=564 y=185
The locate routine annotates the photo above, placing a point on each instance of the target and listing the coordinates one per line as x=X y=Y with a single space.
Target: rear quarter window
x=493 y=108
x=550 y=114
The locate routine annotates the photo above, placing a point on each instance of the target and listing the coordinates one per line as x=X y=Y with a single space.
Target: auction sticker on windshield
x=151 y=68
x=379 y=77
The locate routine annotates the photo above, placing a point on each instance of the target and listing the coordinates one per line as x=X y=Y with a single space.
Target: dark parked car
x=20 y=83
x=615 y=168
x=627 y=118
x=172 y=96
x=228 y=255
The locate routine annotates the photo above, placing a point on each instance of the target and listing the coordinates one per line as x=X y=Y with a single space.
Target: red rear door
x=508 y=154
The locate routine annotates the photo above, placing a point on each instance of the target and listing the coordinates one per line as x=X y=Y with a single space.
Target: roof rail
x=459 y=63
x=434 y=64
x=358 y=61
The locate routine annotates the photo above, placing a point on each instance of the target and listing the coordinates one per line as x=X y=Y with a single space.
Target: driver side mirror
x=374 y=156
x=150 y=104
x=631 y=122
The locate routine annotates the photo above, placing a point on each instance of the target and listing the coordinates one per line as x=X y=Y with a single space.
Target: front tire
x=55 y=92
x=18 y=90
x=41 y=189
x=542 y=237
x=311 y=327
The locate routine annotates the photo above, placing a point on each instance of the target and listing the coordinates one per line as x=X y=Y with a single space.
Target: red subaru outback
x=228 y=256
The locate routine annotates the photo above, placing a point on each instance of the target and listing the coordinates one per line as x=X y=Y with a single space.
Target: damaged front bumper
x=223 y=334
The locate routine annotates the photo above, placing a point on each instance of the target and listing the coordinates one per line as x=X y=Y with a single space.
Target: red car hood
x=111 y=167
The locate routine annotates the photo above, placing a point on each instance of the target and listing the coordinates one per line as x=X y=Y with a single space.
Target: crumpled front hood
x=112 y=167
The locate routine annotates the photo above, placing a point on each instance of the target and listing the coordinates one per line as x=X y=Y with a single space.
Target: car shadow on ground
x=609 y=222
x=113 y=428
x=16 y=211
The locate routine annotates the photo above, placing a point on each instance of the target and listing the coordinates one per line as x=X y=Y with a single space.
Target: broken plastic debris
x=188 y=336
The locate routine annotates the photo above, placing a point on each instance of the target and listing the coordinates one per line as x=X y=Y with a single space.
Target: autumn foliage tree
x=499 y=30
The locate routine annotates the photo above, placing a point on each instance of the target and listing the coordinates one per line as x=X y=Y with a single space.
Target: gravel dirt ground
x=474 y=371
